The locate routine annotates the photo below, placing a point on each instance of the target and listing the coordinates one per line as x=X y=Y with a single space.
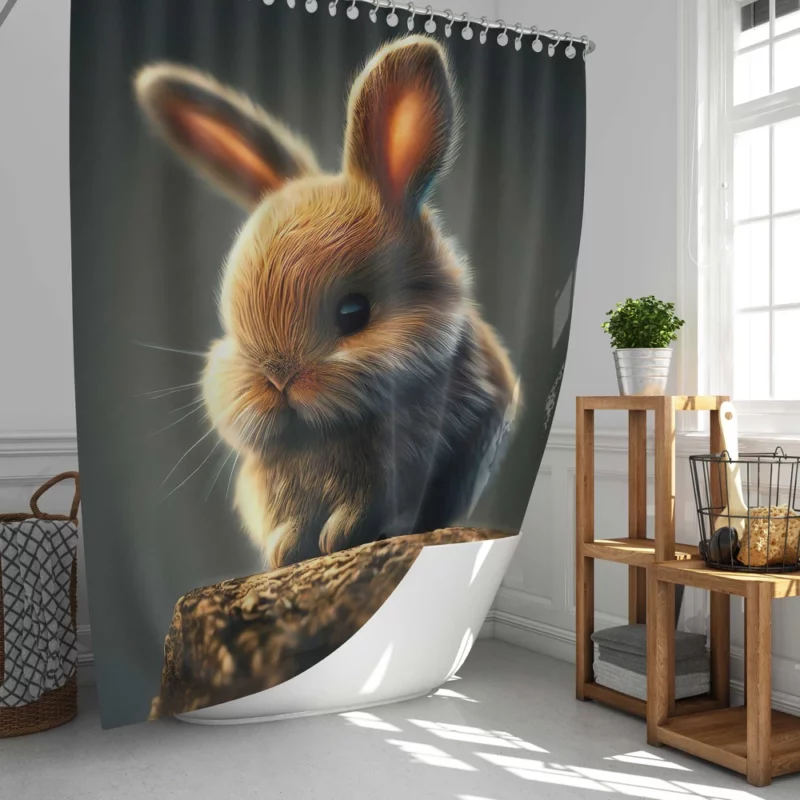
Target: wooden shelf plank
x=636 y=552
x=633 y=705
x=721 y=737
x=698 y=402
x=696 y=573
x=640 y=403
x=615 y=699
x=702 y=735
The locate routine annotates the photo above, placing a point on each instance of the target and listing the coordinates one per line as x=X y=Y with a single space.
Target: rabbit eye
x=352 y=313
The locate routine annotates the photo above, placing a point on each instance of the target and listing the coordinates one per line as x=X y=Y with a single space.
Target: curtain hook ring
x=570 y=51
x=448 y=28
x=430 y=23
x=555 y=38
x=311 y=6
x=585 y=40
x=332 y=7
x=502 y=38
x=352 y=11
x=537 y=42
x=391 y=18
x=466 y=31
x=518 y=40
x=485 y=31
x=291 y=3
x=412 y=9
x=373 y=12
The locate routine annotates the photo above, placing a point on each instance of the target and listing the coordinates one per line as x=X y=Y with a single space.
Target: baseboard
x=86 y=676
x=487 y=629
x=781 y=701
x=559 y=643
x=533 y=635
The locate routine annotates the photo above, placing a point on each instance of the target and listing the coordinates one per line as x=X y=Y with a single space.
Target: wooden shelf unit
x=634 y=552
x=637 y=551
x=754 y=739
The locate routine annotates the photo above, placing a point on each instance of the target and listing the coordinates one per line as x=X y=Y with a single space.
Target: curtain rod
x=427 y=17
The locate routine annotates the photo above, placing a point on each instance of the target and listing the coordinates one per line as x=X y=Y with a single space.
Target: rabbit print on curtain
x=357 y=381
x=322 y=287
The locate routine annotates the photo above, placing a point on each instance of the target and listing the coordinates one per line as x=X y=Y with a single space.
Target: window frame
x=706 y=279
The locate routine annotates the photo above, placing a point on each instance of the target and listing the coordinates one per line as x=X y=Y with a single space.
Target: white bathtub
x=417 y=639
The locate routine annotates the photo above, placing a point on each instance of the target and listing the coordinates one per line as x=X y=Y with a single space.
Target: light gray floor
x=509 y=727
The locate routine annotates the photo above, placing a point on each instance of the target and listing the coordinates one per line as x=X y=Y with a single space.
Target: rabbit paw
x=339 y=529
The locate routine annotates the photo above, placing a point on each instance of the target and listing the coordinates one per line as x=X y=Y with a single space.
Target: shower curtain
x=323 y=270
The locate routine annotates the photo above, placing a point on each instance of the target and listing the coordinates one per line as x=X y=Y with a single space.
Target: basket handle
x=76 y=498
x=35 y=512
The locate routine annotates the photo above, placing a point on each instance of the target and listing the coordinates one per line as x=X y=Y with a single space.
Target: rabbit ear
x=221 y=133
x=402 y=120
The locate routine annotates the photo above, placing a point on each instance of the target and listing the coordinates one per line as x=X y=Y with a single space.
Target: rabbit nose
x=280 y=378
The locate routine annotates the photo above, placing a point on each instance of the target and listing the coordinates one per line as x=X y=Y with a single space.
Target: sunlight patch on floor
x=453 y=695
x=480 y=742
x=466 y=733
x=363 y=719
x=645 y=759
x=428 y=754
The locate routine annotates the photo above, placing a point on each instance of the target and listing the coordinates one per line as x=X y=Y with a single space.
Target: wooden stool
x=637 y=551
x=751 y=739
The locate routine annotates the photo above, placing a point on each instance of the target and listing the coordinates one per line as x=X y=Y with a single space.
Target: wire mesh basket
x=762 y=536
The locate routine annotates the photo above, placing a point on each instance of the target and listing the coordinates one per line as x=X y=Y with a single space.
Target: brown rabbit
x=355 y=378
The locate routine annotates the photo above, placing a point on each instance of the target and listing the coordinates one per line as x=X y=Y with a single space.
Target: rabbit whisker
x=202 y=463
x=219 y=472
x=246 y=427
x=181 y=419
x=230 y=478
x=170 y=349
x=158 y=393
x=188 y=405
x=204 y=436
x=257 y=433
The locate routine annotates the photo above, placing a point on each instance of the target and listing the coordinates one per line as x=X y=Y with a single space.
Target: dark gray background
x=149 y=239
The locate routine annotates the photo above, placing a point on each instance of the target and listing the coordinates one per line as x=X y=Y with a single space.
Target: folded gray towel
x=633 y=639
x=638 y=664
x=636 y=685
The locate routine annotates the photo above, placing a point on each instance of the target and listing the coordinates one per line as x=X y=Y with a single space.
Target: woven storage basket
x=60 y=705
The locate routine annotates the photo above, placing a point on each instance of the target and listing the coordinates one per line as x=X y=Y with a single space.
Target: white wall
x=37 y=399
x=36 y=320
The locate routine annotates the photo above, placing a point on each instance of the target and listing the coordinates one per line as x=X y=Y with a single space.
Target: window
x=751 y=207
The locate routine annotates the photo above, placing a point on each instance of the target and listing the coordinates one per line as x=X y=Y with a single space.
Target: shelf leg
x=665 y=480
x=584 y=532
x=585 y=625
x=758 y=621
x=637 y=511
x=660 y=654
x=721 y=648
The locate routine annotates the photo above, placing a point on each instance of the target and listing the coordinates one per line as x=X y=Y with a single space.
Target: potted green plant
x=641 y=333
